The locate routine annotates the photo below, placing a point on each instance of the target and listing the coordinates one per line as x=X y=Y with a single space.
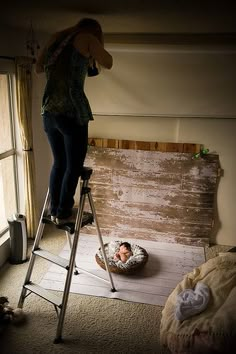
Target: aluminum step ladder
x=72 y=232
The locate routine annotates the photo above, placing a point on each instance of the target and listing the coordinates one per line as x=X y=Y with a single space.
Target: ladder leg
x=113 y=289
x=32 y=256
x=68 y=236
x=78 y=223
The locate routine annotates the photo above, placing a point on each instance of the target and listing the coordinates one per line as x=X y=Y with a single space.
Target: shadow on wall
x=217 y=223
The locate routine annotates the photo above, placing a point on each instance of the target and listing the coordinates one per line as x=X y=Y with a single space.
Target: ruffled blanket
x=214 y=329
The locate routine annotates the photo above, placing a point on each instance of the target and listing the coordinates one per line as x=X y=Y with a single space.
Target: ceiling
x=121 y=16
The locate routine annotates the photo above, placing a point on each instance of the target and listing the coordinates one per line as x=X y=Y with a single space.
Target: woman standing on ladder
x=66 y=60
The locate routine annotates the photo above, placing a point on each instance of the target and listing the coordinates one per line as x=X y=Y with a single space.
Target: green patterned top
x=64 y=91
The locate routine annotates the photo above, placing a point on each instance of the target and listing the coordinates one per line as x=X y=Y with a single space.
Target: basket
x=131 y=268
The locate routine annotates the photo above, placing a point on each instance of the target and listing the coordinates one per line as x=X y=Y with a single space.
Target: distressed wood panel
x=153 y=195
x=142 y=235
x=134 y=178
x=150 y=212
x=152 y=162
x=144 y=145
x=161 y=197
x=170 y=228
x=201 y=184
x=139 y=179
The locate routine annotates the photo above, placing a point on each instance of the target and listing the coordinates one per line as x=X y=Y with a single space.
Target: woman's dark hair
x=92 y=26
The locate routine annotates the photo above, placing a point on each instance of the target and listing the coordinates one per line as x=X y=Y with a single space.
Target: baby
x=124 y=252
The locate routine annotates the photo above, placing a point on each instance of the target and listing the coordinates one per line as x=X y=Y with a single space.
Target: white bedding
x=215 y=327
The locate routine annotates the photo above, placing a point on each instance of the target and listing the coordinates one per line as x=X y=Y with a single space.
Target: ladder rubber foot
x=58 y=340
x=113 y=290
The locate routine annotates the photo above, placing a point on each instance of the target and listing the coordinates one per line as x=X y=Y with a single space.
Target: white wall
x=191 y=80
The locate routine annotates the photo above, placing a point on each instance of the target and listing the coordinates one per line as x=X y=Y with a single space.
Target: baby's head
x=125 y=246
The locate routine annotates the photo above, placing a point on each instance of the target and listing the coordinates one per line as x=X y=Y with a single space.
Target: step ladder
x=72 y=232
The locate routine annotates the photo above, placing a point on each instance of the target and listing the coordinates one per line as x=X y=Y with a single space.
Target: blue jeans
x=68 y=142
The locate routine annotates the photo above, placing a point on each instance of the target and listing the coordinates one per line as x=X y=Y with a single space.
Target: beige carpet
x=92 y=324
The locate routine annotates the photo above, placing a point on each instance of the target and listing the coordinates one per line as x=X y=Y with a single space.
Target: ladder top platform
x=86 y=173
x=87 y=218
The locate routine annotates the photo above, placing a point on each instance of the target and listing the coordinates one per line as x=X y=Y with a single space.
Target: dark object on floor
x=18 y=239
x=8 y=314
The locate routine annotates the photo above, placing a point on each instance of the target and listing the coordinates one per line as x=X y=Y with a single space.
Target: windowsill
x=4 y=238
x=4 y=248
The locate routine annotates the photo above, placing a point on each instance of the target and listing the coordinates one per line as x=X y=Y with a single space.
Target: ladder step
x=62 y=262
x=70 y=226
x=45 y=294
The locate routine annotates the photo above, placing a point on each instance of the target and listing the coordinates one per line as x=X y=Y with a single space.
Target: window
x=8 y=170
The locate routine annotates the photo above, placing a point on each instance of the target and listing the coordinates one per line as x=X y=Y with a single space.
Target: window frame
x=11 y=152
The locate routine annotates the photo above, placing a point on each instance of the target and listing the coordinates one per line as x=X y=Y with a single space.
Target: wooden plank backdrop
x=152 y=191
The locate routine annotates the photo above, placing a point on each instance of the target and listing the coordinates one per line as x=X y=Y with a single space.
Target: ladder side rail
x=100 y=240
x=33 y=256
x=40 y=229
x=68 y=235
x=78 y=224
